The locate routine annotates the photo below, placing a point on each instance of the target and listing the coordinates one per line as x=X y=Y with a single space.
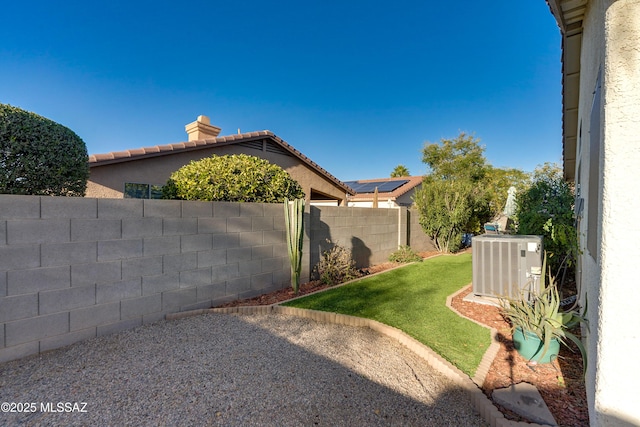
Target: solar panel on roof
x=391 y=185
x=370 y=187
x=353 y=184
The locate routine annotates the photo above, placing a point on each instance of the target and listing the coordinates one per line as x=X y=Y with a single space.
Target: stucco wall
x=108 y=180
x=611 y=43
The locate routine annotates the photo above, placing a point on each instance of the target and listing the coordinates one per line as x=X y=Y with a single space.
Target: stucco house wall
x=108 y=180
x=153 y=165
x=604 y=86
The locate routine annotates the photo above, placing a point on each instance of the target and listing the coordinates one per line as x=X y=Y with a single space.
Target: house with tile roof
x=141 y=172
x=389 y=192
x=601 y=155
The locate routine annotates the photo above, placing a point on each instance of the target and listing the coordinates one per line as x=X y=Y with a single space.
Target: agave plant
x=541 y=314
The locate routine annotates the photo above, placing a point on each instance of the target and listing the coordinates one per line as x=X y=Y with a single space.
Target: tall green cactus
x=294 y=225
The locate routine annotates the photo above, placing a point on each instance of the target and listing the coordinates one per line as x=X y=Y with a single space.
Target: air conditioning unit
x=506 y=265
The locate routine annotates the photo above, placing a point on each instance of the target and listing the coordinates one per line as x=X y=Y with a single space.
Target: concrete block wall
x=76 y=268
x=416 y=238
x=370 y=234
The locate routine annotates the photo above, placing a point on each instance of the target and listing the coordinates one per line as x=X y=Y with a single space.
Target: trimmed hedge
x=39 y=156
x=232 y=178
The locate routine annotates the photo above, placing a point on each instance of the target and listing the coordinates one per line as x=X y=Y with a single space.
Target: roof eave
x=164 y=150
x=569 y=15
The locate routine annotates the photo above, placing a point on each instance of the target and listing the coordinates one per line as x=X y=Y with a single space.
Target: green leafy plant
x=452 y=199
x=404 y=255
x=446 y=209
x=336 y=266
x=497 y=184
x=39 y=156
x=232 y=178
x=294 y=226
x=546 y=208
x=462 y=191
x=541 y=314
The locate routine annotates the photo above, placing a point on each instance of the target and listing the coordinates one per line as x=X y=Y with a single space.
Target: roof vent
x=201 y=129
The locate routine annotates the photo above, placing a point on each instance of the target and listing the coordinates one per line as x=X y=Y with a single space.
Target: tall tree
x=446 y=209
x=458 y=158
x=498 y=182
x=400 y=170
x=452 y=199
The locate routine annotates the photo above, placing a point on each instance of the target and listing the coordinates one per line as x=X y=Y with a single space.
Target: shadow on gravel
x=231 y=370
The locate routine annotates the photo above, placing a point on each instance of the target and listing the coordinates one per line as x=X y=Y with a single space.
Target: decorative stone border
x=492 y=351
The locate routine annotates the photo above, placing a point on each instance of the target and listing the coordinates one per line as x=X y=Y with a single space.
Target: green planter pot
x=530 y=347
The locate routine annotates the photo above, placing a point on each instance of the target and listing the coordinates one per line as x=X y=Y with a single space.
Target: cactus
x=293 y=219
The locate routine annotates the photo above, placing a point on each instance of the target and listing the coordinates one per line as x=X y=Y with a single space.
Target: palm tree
x=400 y=170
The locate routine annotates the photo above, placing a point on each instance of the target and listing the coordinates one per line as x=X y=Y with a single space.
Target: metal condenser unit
x=506 y=265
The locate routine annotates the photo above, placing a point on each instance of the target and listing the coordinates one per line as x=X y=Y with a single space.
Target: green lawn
x=413 y=299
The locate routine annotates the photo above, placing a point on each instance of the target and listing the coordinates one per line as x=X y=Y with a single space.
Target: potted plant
x=539 y=325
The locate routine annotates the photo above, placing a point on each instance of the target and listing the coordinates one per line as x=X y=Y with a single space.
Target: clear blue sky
x=358 y=86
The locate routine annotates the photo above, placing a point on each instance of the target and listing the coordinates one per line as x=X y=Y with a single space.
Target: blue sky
x=358 y=86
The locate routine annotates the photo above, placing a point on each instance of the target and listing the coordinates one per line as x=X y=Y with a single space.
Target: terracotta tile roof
x=96 y=160
x=414 y=181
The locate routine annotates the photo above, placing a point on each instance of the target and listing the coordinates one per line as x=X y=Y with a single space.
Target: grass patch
x=413 y=299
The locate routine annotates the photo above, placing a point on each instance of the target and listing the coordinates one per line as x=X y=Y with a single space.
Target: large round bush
x=232 y=178
x=39 y=156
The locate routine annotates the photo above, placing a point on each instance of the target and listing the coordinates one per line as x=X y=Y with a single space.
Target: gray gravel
x=231 y=370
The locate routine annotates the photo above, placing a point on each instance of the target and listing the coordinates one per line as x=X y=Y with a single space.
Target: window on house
x=142 y=191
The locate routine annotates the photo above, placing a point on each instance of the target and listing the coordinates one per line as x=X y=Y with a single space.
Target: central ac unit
x=506 y=265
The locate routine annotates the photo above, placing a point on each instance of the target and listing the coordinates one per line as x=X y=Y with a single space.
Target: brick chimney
x=201 y=129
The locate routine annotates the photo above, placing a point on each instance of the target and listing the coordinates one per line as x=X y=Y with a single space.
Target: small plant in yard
x=539 y=316
x=336 y=266
x=405 y=255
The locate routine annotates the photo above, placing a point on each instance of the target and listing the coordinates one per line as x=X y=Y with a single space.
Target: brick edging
x=492 y=351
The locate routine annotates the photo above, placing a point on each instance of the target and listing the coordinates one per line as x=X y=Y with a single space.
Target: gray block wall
x=76 y=268
x=415 y=237
x=370 y=234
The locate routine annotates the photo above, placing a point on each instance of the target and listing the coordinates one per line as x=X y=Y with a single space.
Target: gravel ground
x=230 y=370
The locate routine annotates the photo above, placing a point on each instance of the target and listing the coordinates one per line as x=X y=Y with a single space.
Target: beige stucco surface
x=108 y=180
x=618 y=386
x=609 y=277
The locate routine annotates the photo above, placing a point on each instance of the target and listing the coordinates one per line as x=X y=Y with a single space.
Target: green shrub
x=232 y=178
x=336 y=266
x=39 y=156
x=546 y=208
x=405 y=255
x=446 y=209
